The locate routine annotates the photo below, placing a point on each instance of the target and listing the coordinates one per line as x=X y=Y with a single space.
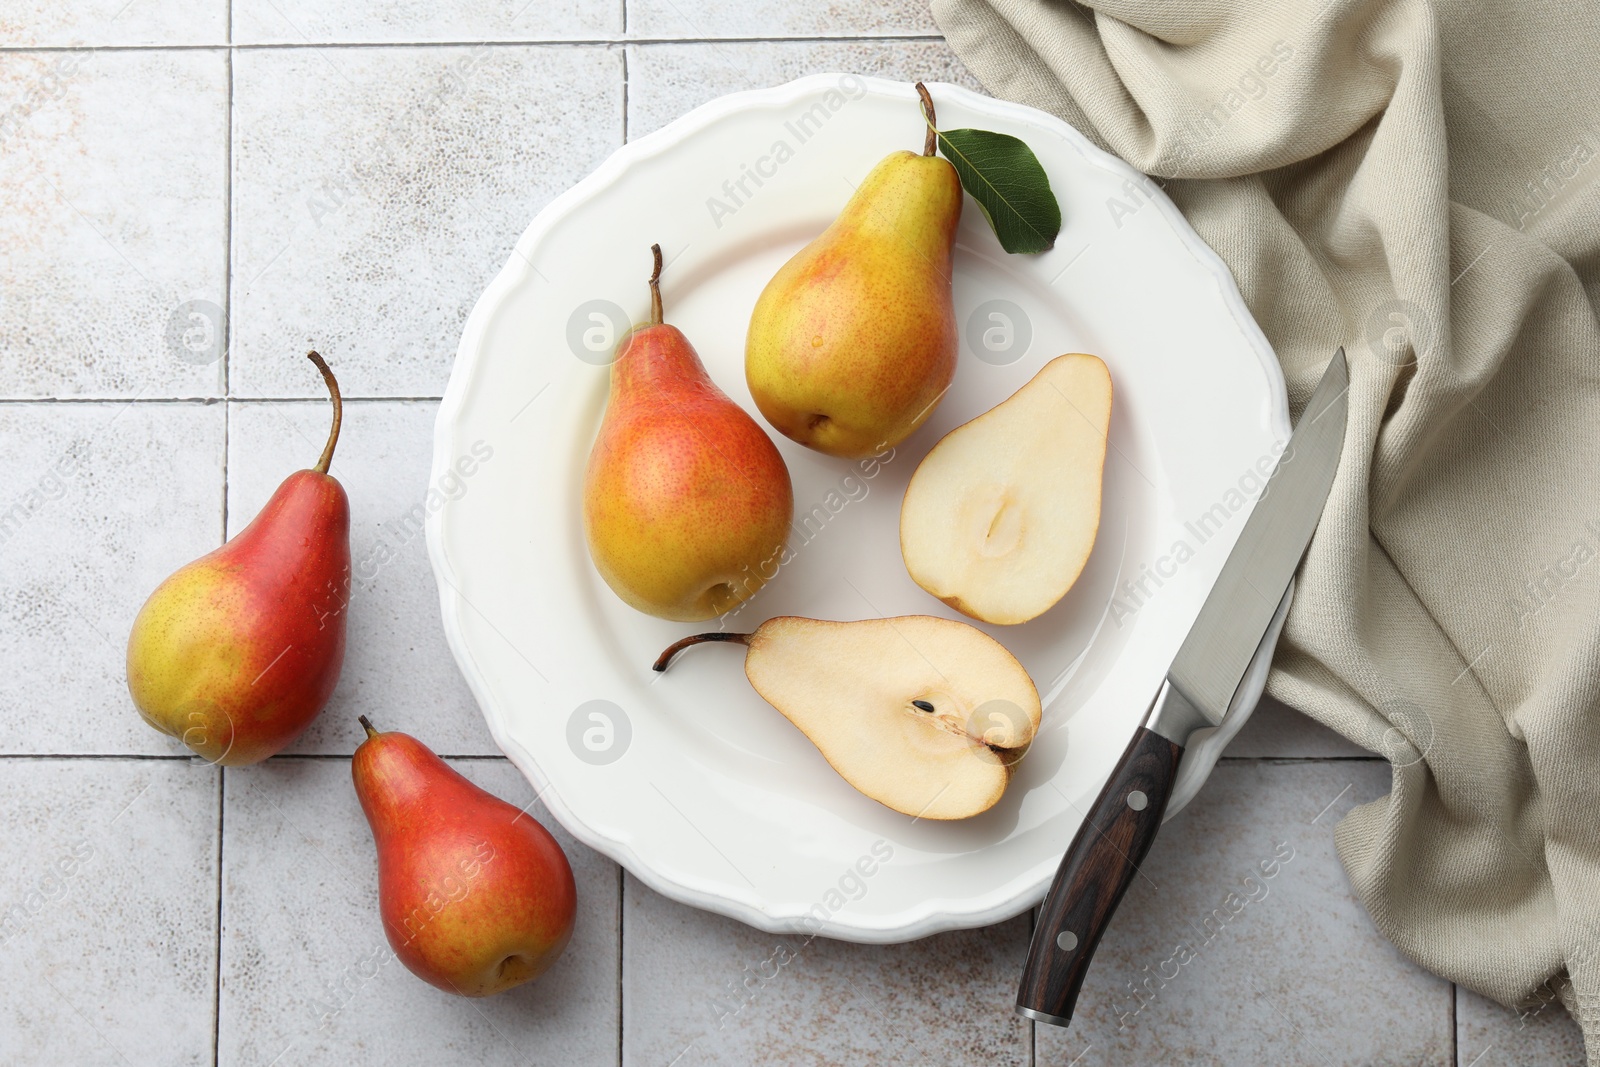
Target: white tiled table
x=351 y=176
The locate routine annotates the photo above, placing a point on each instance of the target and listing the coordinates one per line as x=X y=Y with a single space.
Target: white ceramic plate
x=689 y=779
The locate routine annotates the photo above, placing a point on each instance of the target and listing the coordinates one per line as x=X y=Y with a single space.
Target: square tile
x=1242 y=942
x=103 y=501
x=701 y=989
x=407 y=21
x=378 y=191
x=108 y=911
x=669 y=80
x=774 y=18
x=113 y=255
x=34 y=23
x=306 y=974
x=398 y=670
x=1542 y=1035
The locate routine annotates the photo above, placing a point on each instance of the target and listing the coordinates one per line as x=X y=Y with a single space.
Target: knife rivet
x=1066 y=940
x=1138 y=801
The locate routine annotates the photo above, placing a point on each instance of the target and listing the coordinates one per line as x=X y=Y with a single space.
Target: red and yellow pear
x=237 y=652
x=853 y=342
x=686 y=501
x=476 y=896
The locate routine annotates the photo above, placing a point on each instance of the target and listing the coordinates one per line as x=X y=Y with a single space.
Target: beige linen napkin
x=1418 y=182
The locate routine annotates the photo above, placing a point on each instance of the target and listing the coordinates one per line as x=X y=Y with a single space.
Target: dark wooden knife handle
x=1094 y=874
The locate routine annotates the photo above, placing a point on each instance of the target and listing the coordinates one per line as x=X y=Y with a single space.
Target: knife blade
x=1213 y=658
x=1121 y=826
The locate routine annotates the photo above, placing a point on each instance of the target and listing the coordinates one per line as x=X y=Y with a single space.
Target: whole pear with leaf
x=853 y=342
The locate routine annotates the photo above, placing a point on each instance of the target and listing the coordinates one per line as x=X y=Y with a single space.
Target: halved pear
x=1001 y=515
x=924 y=715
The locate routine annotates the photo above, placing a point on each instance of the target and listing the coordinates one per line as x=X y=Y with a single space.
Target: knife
x=1119 y=829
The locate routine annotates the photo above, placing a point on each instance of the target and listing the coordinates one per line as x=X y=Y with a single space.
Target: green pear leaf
x=1006 y=179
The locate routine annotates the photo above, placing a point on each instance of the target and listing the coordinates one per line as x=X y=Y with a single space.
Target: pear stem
x=367 y=724
x=678 y=646
x=338 y=412
x=930 y=141
x=655 y=288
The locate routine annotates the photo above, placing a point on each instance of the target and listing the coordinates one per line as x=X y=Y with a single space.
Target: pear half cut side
x=1001 y=515
x=925 y=715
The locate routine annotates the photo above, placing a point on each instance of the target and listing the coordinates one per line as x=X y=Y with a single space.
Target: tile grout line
x=227 y=411
x=94 y=756
x=1455 y=1035
x=228 y=447
x=510 y=42
x=206 y=400
x=146 y=757
x=216 y=995
x=227 y=230
x=125 y=401
x=622 y=886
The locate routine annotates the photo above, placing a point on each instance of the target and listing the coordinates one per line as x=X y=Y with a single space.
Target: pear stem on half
x=367 y=725
x=338 y=412
x=678 y=646
x=655 y=288
x=930 y=142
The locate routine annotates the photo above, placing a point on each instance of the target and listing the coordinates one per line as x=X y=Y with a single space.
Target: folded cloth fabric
x=1418 y=182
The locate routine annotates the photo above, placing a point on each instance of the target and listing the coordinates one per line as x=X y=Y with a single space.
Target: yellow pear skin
x=853 y=342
